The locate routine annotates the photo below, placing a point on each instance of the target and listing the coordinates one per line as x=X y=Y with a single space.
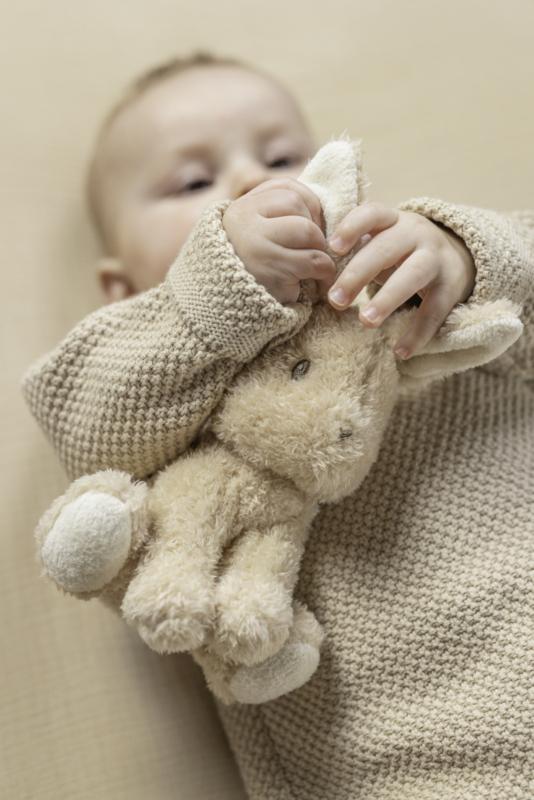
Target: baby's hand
x=408 y=254
x=276 y=230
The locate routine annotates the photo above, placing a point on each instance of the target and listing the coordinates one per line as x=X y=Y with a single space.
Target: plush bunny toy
x=205 y=558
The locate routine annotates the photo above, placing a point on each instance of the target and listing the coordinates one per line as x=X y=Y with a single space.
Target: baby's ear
x=471 y=336
x=114 y=283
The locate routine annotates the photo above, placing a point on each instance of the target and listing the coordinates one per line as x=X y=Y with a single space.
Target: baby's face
x=208 y=134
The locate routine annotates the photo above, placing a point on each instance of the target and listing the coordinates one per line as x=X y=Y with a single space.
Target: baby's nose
x=246 y=178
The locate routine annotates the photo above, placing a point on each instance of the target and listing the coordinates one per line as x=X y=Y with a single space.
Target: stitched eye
x=300 y=369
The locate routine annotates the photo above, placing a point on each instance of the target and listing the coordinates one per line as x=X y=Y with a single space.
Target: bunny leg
x=170 y=599
x=87 y=535
x=288 y=669
x=254 y=594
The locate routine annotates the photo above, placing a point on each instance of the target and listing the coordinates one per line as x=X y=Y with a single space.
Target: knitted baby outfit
x=422 y=579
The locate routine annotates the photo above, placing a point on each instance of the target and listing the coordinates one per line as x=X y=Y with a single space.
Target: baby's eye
x=196 y=186
x=176 y=188
x=284 y=162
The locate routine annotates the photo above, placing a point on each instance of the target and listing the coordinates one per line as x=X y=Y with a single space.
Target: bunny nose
x=345 y=433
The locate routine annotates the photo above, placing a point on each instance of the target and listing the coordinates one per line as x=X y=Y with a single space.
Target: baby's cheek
x=145 y=266
x=171 y=229
x=153 y=248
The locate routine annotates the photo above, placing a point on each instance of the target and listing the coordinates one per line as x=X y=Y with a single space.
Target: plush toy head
x=314 y=409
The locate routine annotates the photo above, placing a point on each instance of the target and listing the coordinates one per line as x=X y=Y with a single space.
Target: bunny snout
x=344 y=433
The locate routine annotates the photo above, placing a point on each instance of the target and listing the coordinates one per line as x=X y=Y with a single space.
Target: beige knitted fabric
x=422 y=580
x=130 y=386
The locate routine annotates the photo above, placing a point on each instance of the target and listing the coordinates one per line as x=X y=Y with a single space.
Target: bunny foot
x=86 y=536
x=88 y=544
x=172 y=611
x=284 y=672
x=252 y=625
x=287 y=670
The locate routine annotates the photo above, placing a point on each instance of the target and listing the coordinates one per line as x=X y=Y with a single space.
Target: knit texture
x=422 y=579
x=131 y=385
x=423 y=584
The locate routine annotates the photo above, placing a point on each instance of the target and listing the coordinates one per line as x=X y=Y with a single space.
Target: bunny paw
x=168 y=617
x=252 y=624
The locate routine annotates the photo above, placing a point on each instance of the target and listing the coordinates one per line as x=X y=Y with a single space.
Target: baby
x=214 y=249
x=198 y=132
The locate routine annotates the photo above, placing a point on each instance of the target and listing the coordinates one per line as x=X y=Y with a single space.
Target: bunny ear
x=471 y=336
x=335 y=175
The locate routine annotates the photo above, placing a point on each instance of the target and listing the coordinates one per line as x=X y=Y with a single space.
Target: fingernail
x=402 y=352
x=338 y=296
x=337 y=244
x=370 y=313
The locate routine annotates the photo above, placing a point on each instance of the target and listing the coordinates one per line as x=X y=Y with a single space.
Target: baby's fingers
x=294 y=233
x=428 y=319
x=414 y=274
x=385 y=250
x=288 y=267
x=369 y=218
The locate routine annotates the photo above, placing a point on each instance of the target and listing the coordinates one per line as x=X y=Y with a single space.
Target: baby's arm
x=132 y=384
x=446 y=253
x=502 y=248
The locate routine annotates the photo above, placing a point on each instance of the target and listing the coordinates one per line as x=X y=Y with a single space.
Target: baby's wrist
x=464 y=254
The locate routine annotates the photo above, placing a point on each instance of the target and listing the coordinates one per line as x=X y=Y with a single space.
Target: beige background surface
x=443 y=96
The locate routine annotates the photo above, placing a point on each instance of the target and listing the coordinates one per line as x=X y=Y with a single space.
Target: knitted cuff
x=225 y=307
x=504 y=267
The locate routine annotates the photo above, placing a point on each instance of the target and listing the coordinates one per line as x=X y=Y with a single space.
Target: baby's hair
x=160 y=72
x=135 y=89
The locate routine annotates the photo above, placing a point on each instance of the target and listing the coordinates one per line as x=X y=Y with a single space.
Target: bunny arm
x=254 y=594
x=193 y=509
x=502 y=247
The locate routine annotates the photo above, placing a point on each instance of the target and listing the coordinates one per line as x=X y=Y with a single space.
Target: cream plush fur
x=206 y=557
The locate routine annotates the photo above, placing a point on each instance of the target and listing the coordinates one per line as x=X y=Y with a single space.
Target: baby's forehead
x=191 y=105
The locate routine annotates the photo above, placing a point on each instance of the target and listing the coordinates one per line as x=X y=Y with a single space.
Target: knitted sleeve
x=130 y=386
x=502 y=247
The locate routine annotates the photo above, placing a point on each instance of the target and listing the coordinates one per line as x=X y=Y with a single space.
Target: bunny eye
x=300 y=369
